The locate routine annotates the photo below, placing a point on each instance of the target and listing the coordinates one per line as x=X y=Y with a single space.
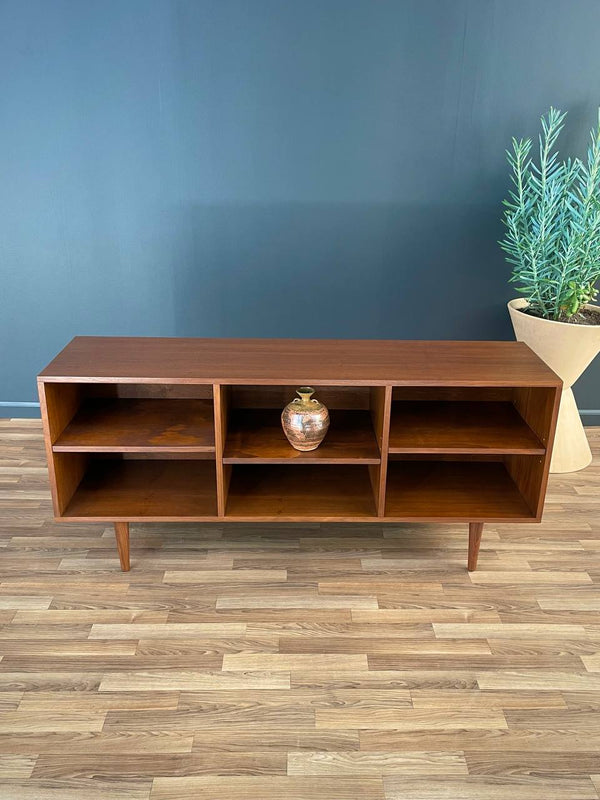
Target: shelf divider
x=221 y=398
x=381 y=404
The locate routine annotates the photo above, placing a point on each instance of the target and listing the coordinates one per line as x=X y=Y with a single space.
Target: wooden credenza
x=148 y=429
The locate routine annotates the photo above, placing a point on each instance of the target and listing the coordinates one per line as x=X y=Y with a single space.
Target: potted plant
x=552 y=219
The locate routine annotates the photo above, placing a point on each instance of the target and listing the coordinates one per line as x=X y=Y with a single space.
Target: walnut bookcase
x=144 y=429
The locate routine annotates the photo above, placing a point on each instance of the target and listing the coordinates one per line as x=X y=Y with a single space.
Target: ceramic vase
x=567 y=349
x=305 y=420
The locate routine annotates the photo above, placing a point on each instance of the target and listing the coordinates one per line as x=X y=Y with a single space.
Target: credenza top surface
x=297 y=361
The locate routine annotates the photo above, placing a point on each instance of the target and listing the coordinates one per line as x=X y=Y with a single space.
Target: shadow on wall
x=339 y=270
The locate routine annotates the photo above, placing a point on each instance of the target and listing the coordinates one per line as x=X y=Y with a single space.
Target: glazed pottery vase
x=567 y=349
x=305 y=421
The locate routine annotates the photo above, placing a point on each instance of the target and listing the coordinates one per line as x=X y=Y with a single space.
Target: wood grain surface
x=160 y=404
x=298 y=361
x=460 y=427
x=329 y=661
x=256 y=436
x=140 y=425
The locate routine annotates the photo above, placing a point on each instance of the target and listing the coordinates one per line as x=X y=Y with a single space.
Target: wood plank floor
x=320 y=661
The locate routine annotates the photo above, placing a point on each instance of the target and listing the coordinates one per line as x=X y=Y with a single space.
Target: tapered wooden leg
x=475 y=531
x=122 y=537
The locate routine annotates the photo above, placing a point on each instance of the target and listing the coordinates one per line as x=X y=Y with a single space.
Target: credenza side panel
x=539 y=408
x=58 y=404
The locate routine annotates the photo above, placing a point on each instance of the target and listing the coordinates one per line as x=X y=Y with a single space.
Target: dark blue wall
x=328 y=168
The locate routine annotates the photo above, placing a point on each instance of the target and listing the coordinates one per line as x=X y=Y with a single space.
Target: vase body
x=567 y=349
x=305 y=420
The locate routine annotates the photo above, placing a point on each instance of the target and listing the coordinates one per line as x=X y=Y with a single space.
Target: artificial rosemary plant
x=552 y=220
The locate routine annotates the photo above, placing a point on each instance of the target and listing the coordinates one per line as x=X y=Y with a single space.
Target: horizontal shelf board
x=256 y=436
x=460 y=427
x=453 y=490
x=145 y=489
x=305 y=493
x=297 y=361
x=140 y=425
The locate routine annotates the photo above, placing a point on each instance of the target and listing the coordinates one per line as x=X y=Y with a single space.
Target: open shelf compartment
x=460 y=427
x=138 y=489
x=120 y=418
x=139 y=425
x=307 y=492
x=256 y=435
x=474 y=490
x=477 y=420
x=253 y=432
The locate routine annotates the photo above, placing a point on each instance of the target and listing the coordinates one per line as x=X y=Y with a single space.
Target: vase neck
x=305 y=392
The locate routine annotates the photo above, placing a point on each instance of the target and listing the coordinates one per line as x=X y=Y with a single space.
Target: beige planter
x=568 y=350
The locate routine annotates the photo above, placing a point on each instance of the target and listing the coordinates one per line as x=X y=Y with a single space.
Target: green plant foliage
x=552 y=218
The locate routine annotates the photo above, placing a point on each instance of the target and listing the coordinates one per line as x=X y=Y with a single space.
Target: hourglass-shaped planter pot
x=568 y=349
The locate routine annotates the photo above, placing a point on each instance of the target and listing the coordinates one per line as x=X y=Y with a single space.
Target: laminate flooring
x=334 y=662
